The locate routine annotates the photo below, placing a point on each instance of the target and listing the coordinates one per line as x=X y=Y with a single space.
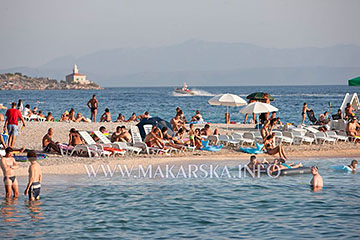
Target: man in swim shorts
x=48 y=143
x=8 y=166
x=93 y=104
x=316 y=182
x=35 y=177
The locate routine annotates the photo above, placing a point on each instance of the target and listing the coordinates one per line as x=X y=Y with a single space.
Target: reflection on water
x=285 y=208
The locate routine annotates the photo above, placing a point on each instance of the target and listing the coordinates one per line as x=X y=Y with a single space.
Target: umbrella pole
x=227 y=117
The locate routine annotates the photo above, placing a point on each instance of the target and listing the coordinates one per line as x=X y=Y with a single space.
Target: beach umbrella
x=258 y=107
x=259 y=96
x=354 y=81
x=155 y=121
x=228 y=100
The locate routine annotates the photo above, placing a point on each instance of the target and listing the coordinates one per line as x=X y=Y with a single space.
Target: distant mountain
x=209 y=63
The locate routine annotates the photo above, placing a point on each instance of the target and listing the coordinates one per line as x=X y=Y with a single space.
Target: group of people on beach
x=352 y=125
x=269 y=138
x=8 y=166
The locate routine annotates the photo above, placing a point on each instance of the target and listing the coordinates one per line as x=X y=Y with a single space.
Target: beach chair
x=80 y=149
x=258 y=137
x=227 y=140
x=119 y=145
x=138 y=142
x=333 y=134
x=320 y=137
x=249 y=137
x=300 y=139
x=280 y=138
x=100 y=147
x=311 y=115
x=147 y=128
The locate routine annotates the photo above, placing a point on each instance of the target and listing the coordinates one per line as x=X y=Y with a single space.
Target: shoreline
x=73 y=167
x=32 y=135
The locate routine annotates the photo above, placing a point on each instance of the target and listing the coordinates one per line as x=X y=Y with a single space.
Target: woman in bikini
x=271 y=149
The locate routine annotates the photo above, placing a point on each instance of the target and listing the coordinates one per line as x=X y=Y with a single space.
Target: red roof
x=78 y=74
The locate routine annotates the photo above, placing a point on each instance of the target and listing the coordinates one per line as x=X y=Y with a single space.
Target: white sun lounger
x=90 y=141
x=137 y=142
x=119 y=145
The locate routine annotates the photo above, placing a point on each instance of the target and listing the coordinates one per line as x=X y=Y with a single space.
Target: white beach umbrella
x=228 y=100
x=258 y=107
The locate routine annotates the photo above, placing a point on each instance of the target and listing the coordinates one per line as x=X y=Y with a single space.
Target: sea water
x=79 y=207
x=162 y=101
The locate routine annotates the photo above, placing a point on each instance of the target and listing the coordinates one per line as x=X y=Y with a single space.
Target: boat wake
x=195 y=91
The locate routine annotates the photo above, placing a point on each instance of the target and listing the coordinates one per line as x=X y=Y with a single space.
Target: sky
x=37 y=31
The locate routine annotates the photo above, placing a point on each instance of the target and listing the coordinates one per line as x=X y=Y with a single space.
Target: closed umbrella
x=228 y=100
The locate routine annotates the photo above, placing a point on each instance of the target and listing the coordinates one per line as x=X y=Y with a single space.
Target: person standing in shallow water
x=35 y=176
x=93 y=104
x=316 y=182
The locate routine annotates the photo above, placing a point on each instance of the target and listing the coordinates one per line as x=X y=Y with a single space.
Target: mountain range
x=204 y=63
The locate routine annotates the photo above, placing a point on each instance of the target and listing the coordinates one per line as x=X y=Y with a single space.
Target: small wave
x=196 y=91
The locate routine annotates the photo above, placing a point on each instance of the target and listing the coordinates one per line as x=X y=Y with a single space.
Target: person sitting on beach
x=145 y=115
x=197 y=117
x=271 y=149
x=34 y=111
x=41 y=114
x=198 y=139
x=349 y=111
x=81 y=118
x=2 y=118
x=206 y=130
x=353 y=128
x=48 y=144
x=316 y=182
x=72 y=115
x=192 y=134
x=35 y=177
x=176 y=123
x=64 y=117
x=8 y=166
x=180 y=136
x=303 y=113
x=103 y=130
x=171 y=141
x=27 y=112
x=74 y=138
x=339 y=115
x=121 y=135
x=132 y=118
x=49 y=117
x=152 y=139
x=353 y=165
x=106 y=117
x=120 y=118
x=324 y=118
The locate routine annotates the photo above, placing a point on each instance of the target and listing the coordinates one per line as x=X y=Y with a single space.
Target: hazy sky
x=34 y=32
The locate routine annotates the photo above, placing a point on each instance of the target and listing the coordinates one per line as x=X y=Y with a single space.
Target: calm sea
x=76 y=207
x=162 y=101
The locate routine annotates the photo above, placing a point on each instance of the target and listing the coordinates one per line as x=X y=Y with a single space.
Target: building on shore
x=77 y=77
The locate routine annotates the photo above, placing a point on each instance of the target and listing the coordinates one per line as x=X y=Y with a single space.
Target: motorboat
x=184 y=90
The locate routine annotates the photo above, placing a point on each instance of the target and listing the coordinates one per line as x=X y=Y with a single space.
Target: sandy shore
x=31 y=137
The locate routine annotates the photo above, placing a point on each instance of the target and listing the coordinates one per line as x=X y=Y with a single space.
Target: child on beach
x=303 y=113
x=106 y=117
x=192 y=135
x=35 y=177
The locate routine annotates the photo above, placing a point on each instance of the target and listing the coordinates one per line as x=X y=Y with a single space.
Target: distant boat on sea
x=184 y=90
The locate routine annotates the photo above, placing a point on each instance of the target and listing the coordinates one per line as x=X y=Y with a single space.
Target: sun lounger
x=34 y=118
x=333 y=134
x=279 y=138
x=137 y=142
x=300 y=139
x=226 y=140
x=90 y=141
x=320 y=137
x=258 y=137
x=249 y=137
x=119 y=145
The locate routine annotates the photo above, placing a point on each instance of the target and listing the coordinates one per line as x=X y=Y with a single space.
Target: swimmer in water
x=316 y=182
x=353 y=165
